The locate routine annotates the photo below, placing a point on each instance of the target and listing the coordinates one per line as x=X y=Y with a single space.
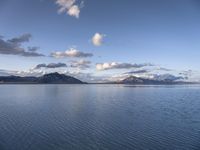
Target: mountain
x=58 y=78
x=144 y=81
x=52 y=78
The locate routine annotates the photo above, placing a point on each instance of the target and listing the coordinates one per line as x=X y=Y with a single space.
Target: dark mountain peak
x=58 y=78
x=53 y=74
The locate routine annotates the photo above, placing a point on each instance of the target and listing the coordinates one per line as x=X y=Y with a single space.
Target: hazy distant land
x=56 y=78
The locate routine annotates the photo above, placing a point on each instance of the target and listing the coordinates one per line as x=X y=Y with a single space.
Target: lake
x=99 y=117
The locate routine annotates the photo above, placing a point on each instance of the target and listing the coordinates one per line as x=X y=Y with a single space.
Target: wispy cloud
x=14 y=46
x=51 y=65
x=81 y=64
x=97 y=39
x=33 y=49
x=163 y=69
x=116 y=65
x=141 y=71
x=68 y=6
x=71 y=53
x=23 y=38
x=164 y=77
x=6 y=72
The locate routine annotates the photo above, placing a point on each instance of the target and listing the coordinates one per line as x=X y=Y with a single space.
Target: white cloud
x=71 y=53
x=81 y=64
x=74 y=11
x=50 y=65
x=69 y=7
x=97 y=39
x=115 y=65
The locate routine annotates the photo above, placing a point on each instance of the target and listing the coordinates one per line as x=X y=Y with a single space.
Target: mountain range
x=52 y=78
x=56 y=78
x=145 y=81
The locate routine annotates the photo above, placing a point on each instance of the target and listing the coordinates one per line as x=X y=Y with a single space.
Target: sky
x=100 y=39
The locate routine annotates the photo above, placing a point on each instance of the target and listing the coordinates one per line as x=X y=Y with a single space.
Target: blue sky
x=163 y=33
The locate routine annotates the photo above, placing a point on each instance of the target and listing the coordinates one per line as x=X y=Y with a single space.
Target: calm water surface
x=99 y=117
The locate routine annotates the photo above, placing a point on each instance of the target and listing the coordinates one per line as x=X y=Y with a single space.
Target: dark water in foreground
x=99 y=117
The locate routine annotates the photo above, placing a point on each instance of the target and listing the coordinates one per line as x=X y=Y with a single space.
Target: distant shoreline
x=22 y=83
x=56 y=78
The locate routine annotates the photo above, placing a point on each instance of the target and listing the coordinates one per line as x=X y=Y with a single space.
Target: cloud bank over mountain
x=116 y=65
x=51 y=65
x=81 y=64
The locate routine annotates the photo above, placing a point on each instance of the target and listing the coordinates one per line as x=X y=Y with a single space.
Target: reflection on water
x=106 y=117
